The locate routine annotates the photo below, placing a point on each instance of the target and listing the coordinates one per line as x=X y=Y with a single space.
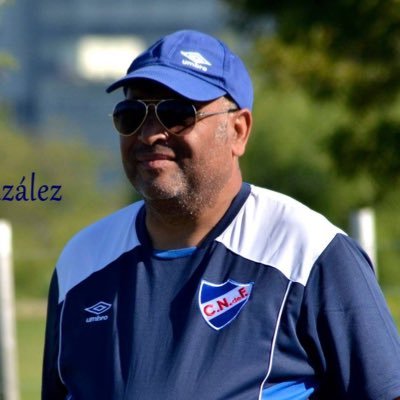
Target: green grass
x=30 y=332
x=30 y=328
x=392 y=295
x=31 y=315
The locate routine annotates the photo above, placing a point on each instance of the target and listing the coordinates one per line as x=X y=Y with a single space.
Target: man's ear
x=242 y=124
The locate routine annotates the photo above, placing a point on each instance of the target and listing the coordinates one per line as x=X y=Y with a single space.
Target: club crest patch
x=221 y=303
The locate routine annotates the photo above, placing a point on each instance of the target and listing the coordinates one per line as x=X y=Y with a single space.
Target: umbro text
x=97 y=318
x=195 y=65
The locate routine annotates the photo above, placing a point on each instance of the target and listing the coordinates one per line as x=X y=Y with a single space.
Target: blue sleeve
x=52 y=387
x=351 y=336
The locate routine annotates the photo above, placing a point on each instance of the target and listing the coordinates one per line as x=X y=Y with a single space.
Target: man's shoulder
x=286 y=212
x=276 y=230
x=96 y=246
x=116 y=222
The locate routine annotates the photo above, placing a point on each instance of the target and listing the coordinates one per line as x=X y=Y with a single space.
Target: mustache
x=144 y=150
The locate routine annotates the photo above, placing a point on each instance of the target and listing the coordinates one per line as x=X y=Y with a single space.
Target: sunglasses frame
x=198 y=115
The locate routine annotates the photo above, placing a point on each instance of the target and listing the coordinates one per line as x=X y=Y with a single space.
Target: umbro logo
x=196 y=60
x=99 y=308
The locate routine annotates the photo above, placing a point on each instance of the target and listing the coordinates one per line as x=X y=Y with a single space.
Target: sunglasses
x=173 y=114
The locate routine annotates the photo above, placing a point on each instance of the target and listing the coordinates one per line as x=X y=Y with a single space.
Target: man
x=210 y=288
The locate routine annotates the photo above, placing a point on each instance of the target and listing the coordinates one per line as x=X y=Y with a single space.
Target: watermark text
x=28 y=190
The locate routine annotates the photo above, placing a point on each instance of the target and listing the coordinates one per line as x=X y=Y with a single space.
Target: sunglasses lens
x=176 y=115
x=128 y=115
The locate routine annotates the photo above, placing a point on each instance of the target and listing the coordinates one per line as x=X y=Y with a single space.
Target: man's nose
x=152 y=130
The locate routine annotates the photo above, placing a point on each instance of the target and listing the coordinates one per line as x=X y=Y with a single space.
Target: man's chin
x=157 y=192
x=160 y=187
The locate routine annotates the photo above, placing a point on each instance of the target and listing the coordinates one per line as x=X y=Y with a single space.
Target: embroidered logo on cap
x=195 y=59
x=221 y=303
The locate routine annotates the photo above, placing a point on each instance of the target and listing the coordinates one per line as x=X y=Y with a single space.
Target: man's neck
x=173 y=225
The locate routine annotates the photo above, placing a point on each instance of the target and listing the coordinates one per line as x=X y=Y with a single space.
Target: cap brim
x=181 y=82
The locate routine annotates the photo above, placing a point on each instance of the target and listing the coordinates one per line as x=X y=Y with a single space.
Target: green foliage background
x=344 y=53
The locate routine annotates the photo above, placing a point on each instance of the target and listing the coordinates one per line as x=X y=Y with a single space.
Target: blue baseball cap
x=195 y=65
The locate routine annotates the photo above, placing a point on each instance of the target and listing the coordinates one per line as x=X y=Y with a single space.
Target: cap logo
x=195 y=59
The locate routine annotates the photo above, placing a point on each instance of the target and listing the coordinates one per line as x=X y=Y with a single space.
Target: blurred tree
x=347 y=51
x=284 y=153
x=7 y=62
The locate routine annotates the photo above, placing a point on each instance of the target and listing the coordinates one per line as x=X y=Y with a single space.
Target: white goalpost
x=8 y=340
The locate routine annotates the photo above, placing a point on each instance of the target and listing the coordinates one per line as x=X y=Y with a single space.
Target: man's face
x=190 y=168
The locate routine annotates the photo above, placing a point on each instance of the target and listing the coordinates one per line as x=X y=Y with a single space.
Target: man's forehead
x=146 y=88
